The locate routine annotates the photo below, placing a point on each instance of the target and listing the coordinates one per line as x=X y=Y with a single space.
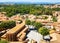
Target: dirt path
x=58 y=39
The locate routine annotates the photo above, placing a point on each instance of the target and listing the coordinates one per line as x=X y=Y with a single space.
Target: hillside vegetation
x=26 y=9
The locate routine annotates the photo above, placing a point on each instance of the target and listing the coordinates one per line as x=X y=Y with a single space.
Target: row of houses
x=52 y=6
x=19 y=33
x=16 y=33
x=30 y=16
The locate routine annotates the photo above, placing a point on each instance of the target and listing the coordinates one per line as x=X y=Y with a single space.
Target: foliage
x=46 y=17
x=7 y=24
x=3 y=41
x=36 y=24
x=56 y=9
x=54 y=19
x=28 y=22
x=44 y=31
x=54 y=28
x=27 y=9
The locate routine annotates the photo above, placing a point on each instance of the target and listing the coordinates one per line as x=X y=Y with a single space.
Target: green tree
x=48 y=11
x=7 y=24
x=28 y=22
x=3 y=41
x=32 y=22
x=44 y=31
x=37 y=25
x=54 y=19
x=46 y=17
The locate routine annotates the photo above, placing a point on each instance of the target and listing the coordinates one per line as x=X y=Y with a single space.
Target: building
x=56 y=13
x=3 y=17
x=52 y=6
x=22 y=35
x=15 y=17
x=32 y=17
x=33 y=35
x=58 y=19
x=11 y=34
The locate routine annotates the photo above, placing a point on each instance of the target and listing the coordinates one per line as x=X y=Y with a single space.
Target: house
x=31 y=27
x=24 y=16
x=22 y=35
x=32 y=17
x=56 y=13
x=58 y=18
x=11 y=34
x=33 y=35
x=15 y=17
x=3 y=17
x=56 y=6
x=48 y=26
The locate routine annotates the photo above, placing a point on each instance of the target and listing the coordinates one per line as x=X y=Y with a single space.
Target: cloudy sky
x=29 y=0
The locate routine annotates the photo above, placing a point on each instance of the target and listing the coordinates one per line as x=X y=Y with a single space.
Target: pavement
x=58 y=39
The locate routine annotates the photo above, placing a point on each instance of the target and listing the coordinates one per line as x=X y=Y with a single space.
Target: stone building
x=56 y=13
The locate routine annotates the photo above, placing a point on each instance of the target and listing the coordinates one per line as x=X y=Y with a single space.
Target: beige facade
x=16 y=33
x=3 y=17
x=56 y=13
x=11 y=34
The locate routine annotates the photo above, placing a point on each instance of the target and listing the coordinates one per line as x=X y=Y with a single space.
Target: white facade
x=35 y=36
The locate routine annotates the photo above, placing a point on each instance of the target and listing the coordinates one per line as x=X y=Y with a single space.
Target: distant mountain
x=28 y=3
x=58 y=3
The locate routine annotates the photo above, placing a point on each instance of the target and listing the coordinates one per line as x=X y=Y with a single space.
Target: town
x=40 y=25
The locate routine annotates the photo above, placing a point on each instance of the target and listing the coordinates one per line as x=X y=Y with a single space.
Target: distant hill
x=28 y=3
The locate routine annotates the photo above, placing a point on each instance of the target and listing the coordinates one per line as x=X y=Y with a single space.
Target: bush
x=3 y=41
x=54 y=19
x=46 y=17
x=7 y=24
x=44 y=31
x=36 y=24
x=28 y=22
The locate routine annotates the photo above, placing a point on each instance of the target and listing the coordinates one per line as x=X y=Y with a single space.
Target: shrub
x=3 y=41
x=7 y=24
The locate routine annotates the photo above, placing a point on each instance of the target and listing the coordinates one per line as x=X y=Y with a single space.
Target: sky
x=29 y=0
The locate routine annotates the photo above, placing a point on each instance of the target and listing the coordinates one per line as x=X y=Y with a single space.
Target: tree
x=44 y=31
x=37 y=25
x=28 y=22
x=32 y=22
x=48 y=11
x=54 y=19
x=45 y=17
x=7 y=24
x=3 y=41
